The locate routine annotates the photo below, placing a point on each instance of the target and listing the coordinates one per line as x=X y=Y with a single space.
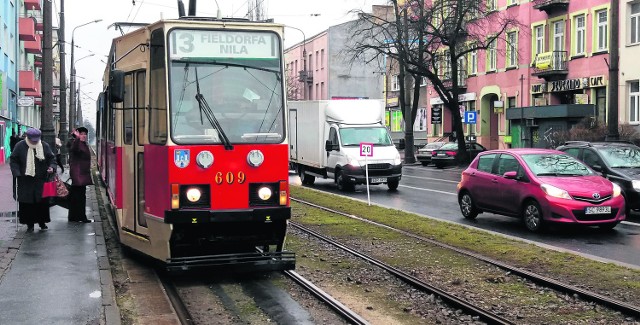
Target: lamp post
x=303 y=74
x=72 y=103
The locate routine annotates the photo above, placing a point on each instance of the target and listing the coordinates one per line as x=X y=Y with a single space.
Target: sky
x=311 y=17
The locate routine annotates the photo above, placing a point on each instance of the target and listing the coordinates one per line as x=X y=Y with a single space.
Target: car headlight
x=264 y=193
x=353 y=161
x=636 y=185
x=193 y=195
x=555 y=192
x=397 y=160
x=616 y=190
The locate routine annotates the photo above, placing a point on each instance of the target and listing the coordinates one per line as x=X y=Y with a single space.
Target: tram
x=193 y=146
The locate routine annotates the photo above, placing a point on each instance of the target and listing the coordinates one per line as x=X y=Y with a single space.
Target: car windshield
x=555 y=165
x=621 y=157
x=242 y=85
x=378 y=136
x=433 y=145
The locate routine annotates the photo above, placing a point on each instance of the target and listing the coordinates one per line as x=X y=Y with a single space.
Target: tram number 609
x=229 y=177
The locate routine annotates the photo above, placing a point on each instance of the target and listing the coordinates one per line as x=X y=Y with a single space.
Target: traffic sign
x=470 y=117
x=366 y=149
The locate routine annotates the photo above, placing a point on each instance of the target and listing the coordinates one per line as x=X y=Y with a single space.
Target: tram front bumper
x=265 y=215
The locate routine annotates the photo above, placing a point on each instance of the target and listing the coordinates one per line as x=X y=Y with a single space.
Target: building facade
x=629 y=91
x=8 y=72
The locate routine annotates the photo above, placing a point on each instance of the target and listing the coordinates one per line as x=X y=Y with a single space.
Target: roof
x=523 y=151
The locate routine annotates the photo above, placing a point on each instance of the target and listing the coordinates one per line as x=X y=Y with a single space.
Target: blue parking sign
x=470 y=117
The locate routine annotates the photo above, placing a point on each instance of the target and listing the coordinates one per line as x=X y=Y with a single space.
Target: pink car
x=540 y=186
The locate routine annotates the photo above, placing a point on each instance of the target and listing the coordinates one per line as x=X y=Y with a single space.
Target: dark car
x=447 y=154
x=617 y=161
x=424 y=153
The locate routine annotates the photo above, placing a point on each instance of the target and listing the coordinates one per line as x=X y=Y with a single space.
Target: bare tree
x=293 y=86
x=432 y=39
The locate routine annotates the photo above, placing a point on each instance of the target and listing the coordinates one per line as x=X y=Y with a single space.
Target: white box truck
x=325 y=137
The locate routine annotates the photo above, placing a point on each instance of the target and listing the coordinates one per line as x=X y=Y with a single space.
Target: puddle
x=92 y=234
x=95 y=294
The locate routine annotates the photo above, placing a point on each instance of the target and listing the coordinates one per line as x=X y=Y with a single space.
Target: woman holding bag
x=80 y=171
x=31 y=163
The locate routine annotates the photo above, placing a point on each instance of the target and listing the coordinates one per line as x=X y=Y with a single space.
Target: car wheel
x=532 y=216
x=393 y=185
x=343 y=183
x=608 y=226
x=425 y=163
x=467 y=206
x=439 y=166
x=306 y=178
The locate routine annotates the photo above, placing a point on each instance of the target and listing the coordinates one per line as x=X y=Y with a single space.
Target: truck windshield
x=239 y=75
x=352 y=137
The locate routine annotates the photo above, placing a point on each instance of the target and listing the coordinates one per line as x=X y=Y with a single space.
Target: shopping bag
x=49 y=189
x=62 y=188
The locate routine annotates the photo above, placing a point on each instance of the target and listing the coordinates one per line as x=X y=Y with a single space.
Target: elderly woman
x=80 y=171
x=31 y=163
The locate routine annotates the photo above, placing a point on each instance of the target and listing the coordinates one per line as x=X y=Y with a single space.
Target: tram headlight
x=264 y=193
x=193 y=195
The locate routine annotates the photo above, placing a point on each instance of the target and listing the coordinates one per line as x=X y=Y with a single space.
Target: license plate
x=597 y=210
x=441 y=154
x=378 y=180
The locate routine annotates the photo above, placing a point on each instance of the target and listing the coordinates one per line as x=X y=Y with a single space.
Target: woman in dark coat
x=31 y=163
x=80 y=171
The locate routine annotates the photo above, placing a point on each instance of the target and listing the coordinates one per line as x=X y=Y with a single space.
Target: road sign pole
x=366 y=173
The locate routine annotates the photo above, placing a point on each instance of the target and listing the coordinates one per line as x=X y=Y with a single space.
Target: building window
x=635 y=23
x=511 y=102
x=492 y=56
x=317 y=56
x=492 y=5
x=322 y=96
x=310 y=62
x=634 y=102
x=539 y=39
x=473 y=62
x=423 y=81
x=395 y=82
x=558 y=36
x=446 y=65
x=512 y=2
x=580 y=34
x=602 y=33
x=512 y=49
x=322 y=59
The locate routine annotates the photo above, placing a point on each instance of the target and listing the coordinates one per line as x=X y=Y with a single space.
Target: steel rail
x=344 y=311
x=452 y=300
x=178 y=305
x=612 y=303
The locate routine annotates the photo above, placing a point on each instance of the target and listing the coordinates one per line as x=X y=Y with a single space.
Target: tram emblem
x=181 y=158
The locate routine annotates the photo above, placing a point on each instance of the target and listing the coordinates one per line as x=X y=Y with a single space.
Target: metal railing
x=541 y=4
x=550 y=62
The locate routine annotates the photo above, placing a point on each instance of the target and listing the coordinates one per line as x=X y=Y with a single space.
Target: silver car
x=424 y=153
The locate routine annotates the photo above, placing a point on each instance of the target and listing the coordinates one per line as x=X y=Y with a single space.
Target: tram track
x=560 y=286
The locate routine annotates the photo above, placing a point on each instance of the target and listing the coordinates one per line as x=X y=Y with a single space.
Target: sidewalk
x=57 y=276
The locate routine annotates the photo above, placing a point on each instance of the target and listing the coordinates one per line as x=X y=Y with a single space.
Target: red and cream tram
x=193 y=145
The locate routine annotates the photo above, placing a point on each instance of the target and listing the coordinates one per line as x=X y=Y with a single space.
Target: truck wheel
x=343 y=183
x=393 y=185
x=306 y=178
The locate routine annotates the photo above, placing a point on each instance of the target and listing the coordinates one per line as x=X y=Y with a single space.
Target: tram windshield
x=239 y=76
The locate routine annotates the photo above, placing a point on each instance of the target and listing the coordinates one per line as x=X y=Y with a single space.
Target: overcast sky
x=310 y=16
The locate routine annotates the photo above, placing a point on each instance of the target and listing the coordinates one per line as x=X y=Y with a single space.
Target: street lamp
x=72 y=104
x=303 y=73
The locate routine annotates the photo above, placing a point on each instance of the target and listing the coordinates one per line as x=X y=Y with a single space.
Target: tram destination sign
x=187 y=43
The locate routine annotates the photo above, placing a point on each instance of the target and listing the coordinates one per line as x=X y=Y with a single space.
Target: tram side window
x=141 y=78
x=157 y=90
x=128 y=109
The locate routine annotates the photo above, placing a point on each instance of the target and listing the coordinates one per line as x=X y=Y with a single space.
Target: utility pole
x=46 y=112
x=612 y=123
x=79 y=113
x=64 y=125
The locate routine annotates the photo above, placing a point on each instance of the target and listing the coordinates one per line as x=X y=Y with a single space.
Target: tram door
x=132 y=152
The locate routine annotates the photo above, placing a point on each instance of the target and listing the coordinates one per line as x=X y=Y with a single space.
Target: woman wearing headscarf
x=31 y=163
x=80 y=171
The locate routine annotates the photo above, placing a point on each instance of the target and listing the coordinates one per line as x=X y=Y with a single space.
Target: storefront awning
x=551 y=111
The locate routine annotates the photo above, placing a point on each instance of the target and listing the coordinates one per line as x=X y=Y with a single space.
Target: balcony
x=33 y=47
x=462 y=80
x=305 y=76
x=454 y=31
x=27 y=29
x=551 y=65
x=549 y=6
x=27 y=81
x=32 y=4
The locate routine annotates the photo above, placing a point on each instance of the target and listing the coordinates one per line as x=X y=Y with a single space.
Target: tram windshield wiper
x=208 y=112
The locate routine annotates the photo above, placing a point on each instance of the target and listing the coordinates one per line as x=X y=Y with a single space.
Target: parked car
x=617 y=161
x=540 y=186
x=447 y=154
x=424 y=153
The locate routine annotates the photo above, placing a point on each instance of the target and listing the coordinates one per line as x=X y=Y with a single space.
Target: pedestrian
x=80 y=171
x=15 y=138
x=32 y=161
x=58 y=159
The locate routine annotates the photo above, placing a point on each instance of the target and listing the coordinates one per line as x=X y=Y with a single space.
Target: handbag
x=62 y=189
x=49 y=189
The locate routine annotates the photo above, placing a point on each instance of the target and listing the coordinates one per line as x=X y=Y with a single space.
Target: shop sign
x=24 y=101
x=597 y=81
x=392 y=102
x=543 y=60
x=568 y=85
x=466 y=97
x=538 y=88
x=581 y=98
x=436 y=114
